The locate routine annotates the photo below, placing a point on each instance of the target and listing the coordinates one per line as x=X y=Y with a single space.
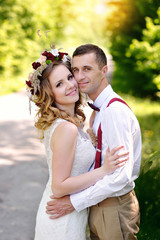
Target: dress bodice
x=84 y=152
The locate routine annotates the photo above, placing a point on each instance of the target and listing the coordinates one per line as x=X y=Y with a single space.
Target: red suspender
x=99 y=148
x=99 y=134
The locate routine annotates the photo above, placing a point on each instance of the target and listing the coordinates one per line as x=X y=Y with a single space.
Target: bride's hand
x=113 y=160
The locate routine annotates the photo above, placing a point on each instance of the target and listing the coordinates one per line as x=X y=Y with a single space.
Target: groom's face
x=87 y=73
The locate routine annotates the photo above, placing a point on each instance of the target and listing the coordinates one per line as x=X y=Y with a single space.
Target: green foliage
x=20 y=21
x=16 y=38
x=146 y=54
x=126 y=23
x=122 y=24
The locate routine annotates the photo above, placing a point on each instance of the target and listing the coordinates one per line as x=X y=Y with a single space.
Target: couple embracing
x=86 y=183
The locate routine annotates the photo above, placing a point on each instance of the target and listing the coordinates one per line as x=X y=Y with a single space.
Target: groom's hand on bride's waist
x=59 y=207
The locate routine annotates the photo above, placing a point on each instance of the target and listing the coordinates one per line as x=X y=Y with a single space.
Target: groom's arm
x=59 y=207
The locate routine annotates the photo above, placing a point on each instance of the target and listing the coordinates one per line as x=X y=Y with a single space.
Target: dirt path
x=23 y=171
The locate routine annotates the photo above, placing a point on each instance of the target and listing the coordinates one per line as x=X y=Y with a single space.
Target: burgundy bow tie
x=93 y=107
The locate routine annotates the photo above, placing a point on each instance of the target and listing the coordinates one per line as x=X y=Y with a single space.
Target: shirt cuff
x=76 y=202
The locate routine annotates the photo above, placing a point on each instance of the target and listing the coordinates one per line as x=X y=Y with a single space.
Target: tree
x=16 y=36
x=146 y=54
x=126 y=22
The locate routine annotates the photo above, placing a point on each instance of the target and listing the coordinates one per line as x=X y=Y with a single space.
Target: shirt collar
x=103 y=96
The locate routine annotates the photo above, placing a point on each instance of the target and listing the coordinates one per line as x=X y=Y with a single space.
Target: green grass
x=148 y=114
x=148 y=183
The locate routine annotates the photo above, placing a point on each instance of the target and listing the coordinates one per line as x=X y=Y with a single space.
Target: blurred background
x=129 y=33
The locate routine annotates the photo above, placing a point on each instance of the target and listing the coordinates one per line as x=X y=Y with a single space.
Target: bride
x=69 y=150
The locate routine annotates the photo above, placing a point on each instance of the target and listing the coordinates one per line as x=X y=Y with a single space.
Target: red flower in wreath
x=29 y=84
x=48 y=55
x=61 y=54
x=35 y=65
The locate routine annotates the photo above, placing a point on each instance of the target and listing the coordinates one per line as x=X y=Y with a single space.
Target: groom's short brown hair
x=91 y=48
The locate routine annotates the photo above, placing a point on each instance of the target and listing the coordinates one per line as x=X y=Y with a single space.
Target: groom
x=114 y=208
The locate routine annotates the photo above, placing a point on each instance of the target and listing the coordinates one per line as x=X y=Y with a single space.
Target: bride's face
x=64 y=86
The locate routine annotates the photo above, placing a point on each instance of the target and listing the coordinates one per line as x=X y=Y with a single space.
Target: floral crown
x=47 y=57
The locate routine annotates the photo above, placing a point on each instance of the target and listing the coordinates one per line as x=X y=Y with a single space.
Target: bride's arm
x=63 y=145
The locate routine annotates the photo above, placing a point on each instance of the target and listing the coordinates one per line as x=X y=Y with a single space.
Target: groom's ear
x=105 y=70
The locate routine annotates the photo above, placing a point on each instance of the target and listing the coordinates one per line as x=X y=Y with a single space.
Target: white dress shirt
x=119 y=127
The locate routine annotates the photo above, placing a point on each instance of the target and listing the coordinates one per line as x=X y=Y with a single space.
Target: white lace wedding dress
x=73 y=225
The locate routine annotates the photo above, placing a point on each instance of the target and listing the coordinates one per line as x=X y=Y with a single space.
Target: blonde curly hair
x=48 y=112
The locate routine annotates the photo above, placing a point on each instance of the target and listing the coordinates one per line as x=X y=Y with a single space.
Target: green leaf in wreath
x=48 y=62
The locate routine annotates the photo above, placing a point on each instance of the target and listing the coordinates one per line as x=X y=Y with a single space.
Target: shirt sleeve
x=117 y=129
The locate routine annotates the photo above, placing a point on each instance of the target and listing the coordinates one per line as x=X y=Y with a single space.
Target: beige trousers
x=115 y=218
